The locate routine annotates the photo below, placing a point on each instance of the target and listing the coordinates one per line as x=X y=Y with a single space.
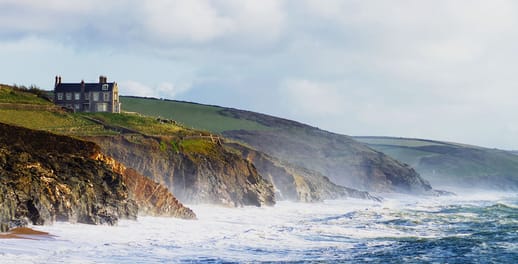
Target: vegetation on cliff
x=342 y=159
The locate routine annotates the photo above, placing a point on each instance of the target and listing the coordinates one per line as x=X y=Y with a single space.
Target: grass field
x=62 y=123
x=191 y=115
x=9 y=94
x=144 y=124
x=19 y=113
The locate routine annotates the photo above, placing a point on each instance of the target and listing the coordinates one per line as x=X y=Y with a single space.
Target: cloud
x=162 y=90
x=184 y=21
x=136 y=89
x=159 y=24
x=311 y=98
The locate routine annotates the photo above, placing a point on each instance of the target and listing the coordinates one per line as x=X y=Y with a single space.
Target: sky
x=435 y=69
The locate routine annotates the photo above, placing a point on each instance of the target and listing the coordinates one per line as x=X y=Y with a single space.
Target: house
x=88 y=97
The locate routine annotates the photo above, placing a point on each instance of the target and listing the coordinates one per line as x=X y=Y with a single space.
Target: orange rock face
x=152 y=198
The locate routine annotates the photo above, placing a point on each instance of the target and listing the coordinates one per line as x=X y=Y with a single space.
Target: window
x=102 y=107
x=77 y=107
x=106 y=97
x=87 y=96
x=60 y=96
x=77 y=96
x=68 y=96
x=86 y=107
x=105 y=87
x=95 y=96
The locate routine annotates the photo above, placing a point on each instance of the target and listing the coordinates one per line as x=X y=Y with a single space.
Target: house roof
x=76 y=87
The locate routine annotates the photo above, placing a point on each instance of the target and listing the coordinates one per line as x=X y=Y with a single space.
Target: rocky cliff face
x=43 y=181
x=152 y=198
x=296 y=183
x=218 y=176
x=46 y=177
x=342 y=159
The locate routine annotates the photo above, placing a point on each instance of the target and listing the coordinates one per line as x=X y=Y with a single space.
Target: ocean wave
x=396 y=230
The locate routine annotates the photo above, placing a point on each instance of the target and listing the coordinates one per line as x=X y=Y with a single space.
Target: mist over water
x=468 y=228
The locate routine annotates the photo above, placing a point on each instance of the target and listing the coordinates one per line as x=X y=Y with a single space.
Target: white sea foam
x=288 y=231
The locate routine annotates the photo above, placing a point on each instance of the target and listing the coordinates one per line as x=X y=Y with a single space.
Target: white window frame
x=60 y=96
x=106 y=97
x=95 y=96
x=101 y=107
x=68 y=96
x=77 y=96
x=105 y=87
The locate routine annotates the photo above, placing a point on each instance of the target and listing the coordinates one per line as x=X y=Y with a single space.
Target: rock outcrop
x=46 y=177
x=296 y=183
x=152 y=198
x=211 y=175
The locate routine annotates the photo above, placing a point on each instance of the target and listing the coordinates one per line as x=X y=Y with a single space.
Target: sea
x=471 y=227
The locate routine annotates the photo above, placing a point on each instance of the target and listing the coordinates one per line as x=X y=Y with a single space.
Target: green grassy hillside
x=22 y=95
x=28 y=107
x=452 y=163
x=344 y=160
x=192 y=115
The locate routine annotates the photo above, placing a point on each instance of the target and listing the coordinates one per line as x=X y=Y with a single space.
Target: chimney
x=103 y=79
x=59 y=79
x=82 y=87
x=56 y=82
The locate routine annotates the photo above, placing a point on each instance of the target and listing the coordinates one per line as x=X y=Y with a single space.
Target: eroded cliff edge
x=205 y=173
x=295 y=183
x=46 y=177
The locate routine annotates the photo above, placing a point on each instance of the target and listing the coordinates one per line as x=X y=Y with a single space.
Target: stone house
x=88 y=97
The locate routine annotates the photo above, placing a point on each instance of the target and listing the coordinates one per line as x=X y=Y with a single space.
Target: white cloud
x=136 y=89
x=305 y=97
x=169 y=90
x=158 y=24
x=162 y=90
x=196 y=20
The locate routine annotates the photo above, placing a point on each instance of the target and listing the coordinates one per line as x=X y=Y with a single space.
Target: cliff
x=342 y=159
x=296 y=183
x=152 y=198
x=452 y=164
x=195 y=170
x=47 y=177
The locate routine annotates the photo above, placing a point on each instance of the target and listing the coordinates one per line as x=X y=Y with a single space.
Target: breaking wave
x=478 y=228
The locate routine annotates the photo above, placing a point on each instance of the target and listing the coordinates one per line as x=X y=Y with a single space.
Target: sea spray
x=457 y=229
